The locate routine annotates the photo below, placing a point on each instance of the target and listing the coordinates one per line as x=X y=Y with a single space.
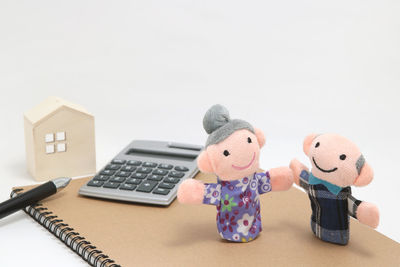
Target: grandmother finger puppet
x=337 y=163
x=232 y=153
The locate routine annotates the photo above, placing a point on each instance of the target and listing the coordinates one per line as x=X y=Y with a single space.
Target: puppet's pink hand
x=191 y=192
x=368 y=213
x=281 y=178
x=297 y=167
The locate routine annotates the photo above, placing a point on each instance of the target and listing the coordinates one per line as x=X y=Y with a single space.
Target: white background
x=150 y=69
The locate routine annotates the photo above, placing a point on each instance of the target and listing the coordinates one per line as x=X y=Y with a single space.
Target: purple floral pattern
x=214 y=194
x=228 y=222
x=238 y=206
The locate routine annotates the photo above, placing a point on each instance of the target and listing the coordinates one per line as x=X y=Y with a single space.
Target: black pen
x=32 y=196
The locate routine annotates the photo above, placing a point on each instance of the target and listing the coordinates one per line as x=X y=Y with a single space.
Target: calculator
x=145 y=172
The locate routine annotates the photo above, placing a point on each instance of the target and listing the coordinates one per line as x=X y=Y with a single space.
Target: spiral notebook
x=111 y=233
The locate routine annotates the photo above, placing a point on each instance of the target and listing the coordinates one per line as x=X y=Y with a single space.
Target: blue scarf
x=334 y=189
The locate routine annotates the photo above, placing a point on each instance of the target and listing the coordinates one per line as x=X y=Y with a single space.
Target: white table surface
x=150 y=69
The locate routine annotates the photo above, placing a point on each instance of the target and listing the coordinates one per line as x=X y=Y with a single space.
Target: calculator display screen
x=162 y=154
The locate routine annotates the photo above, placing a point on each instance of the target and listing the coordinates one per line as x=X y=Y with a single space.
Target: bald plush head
x=337 y=160
x=232 y=148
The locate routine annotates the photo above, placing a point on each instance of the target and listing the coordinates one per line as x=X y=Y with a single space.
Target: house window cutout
x=49 y=138
x=61 y=147
x=60 y=136
x=49 y=149
x=55 y=139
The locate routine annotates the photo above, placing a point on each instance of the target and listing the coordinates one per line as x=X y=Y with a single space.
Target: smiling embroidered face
x=235 y=157
x=248 y=165
x=334 y=158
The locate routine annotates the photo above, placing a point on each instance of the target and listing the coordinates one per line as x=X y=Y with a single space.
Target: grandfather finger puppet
x=232 y=153
x=337 y=163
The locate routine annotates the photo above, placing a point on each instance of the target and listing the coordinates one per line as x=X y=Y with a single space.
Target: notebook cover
x=185 y=235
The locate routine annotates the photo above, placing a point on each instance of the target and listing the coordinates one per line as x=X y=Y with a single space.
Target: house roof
x=50 y=106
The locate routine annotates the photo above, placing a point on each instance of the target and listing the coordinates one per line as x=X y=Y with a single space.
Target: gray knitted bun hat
x=219 y=125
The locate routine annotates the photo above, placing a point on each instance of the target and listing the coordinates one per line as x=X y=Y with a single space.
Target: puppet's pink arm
x=191 y=192
x=281 y=178
x=368 y=213
x=297 y=167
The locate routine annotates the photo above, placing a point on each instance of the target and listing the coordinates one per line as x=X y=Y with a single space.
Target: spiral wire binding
x=70 y=238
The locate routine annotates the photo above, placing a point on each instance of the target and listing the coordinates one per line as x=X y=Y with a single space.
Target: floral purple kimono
x=238 y=205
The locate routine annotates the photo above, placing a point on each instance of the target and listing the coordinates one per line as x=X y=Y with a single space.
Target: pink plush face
x=333 y=158
x=235 y=157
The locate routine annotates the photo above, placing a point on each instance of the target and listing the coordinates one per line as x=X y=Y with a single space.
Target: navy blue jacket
x=330 y=212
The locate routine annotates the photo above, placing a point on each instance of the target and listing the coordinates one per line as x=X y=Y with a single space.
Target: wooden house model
x=59 y=140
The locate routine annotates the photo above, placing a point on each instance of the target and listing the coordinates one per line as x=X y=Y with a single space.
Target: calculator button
x=161 y=191
x=149 y=164
x=134 y=162
x=139 y=175
x=155 y=177
x=101 y=177
x=95 y=183
x=129 y=187
x=113 y=167
x=118 y=161
x=165 y=166
x=111 y=185
x=171 y=180
x=166 y=185
x=123 y=174
x=117 y=179
x=107 y=172
x=160 y=172
x=181 y=168
x=133 y=181
x=128 y=168
x=176 y=174
x=144 y=170
x=146 y=186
